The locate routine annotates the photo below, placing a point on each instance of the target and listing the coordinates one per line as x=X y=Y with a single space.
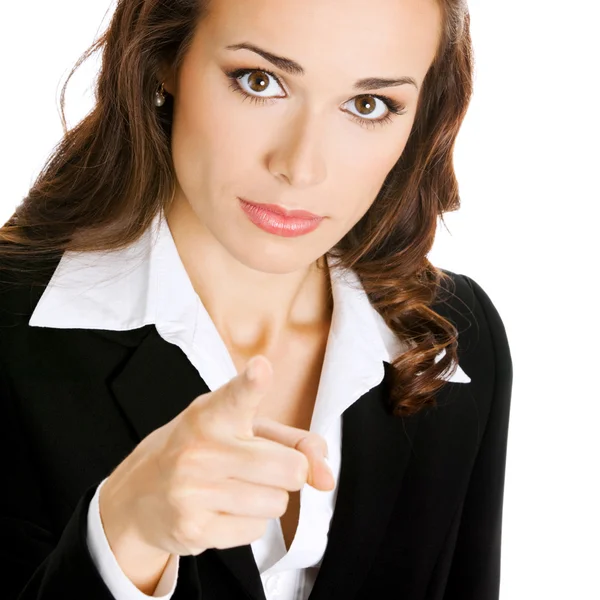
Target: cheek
x=368 y=156
x=365 y=170
x=206 y=122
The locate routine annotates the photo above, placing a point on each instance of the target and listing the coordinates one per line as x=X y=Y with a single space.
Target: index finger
x=232 y=407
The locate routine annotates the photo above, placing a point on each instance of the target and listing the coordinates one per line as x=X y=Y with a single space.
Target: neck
x=252 y=310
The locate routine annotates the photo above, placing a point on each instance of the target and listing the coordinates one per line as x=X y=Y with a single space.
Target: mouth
x=286 y=225
x=280 y=210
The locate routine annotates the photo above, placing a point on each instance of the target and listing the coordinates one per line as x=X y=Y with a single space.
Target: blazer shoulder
x=482 y=336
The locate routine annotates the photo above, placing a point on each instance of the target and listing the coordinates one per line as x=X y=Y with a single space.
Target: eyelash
x=393 y=106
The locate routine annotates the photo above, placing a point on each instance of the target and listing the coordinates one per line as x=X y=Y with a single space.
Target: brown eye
x=252 y=82
x=369 y=112
x=258 y=81
x=365 y=104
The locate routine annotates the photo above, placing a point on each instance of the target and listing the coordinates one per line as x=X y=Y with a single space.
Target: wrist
x=142 y=563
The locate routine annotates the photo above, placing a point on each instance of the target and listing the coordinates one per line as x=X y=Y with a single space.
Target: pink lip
x=274 y=221
x=300 y=214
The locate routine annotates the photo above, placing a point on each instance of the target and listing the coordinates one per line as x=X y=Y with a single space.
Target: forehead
x=349 y=38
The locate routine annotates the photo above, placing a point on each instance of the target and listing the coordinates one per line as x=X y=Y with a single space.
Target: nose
x=298 y=156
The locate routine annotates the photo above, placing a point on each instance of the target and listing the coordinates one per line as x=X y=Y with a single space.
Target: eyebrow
x=293 y=68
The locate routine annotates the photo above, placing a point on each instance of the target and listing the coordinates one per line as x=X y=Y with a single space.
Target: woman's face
x=318 y=142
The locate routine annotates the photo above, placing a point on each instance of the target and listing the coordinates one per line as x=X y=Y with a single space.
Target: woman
x=144 y=270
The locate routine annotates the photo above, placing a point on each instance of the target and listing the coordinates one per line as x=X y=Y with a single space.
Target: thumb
x=238 y=400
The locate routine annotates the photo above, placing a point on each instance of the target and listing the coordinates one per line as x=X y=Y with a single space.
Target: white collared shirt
x=146 y=283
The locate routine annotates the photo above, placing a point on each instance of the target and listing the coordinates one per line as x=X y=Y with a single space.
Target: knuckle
x=272 y=501
x=261 y=528
x=180 y=466
x=191 y=419
x=300 y=468
x=172 y=497
x=207 y=458
x=316 y=441
x=187 y=532
x=201 y=420
x=165 y=464
x=228 y=533
x=281 y=501
x=254 y=529
x=209 y=421
x=201 y=461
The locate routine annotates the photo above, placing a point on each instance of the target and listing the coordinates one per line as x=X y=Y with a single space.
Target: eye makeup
x=392 y=105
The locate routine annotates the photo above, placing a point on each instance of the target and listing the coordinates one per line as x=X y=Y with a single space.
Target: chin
x=269 y=258
x=277 y=265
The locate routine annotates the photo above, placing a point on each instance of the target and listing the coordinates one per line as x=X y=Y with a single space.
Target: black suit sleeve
x=38 y=562
x=475 y=569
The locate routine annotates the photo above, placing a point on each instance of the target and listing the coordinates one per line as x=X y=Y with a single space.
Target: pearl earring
x=159 y=96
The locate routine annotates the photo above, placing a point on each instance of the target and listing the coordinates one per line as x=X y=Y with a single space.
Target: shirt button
x=273 y=585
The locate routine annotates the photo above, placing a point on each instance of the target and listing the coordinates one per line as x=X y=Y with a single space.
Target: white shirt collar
x=146 y=283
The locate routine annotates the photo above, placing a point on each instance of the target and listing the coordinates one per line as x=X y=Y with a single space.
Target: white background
x=527 y=160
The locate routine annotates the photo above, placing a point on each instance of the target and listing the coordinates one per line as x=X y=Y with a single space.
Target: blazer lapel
x=158 y=382
x=376 y=448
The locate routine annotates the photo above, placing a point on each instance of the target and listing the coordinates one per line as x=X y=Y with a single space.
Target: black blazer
x=419 y=507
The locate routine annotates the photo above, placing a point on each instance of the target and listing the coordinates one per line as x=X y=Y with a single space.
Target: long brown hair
x=110 y=174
